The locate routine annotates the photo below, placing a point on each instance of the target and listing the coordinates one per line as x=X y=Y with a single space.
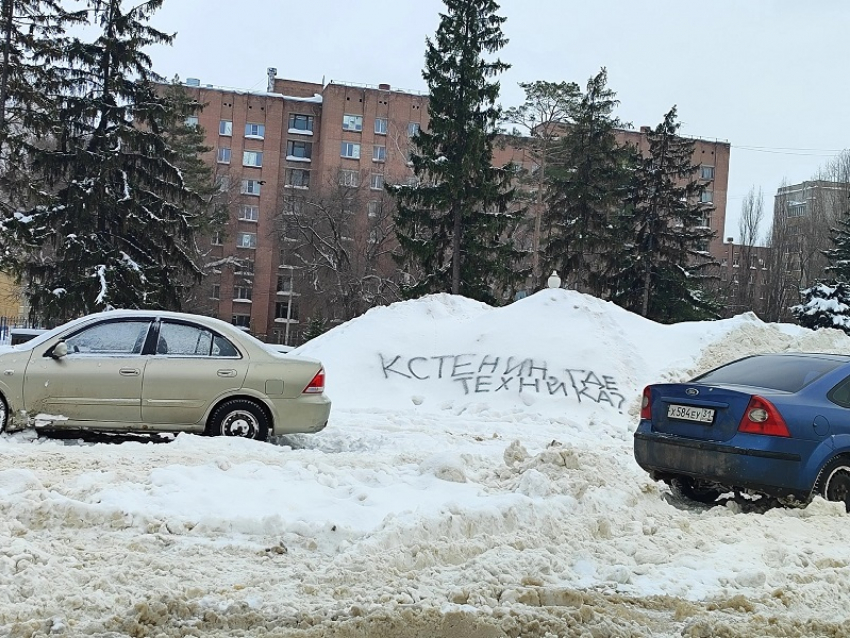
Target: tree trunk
x=7 y=18
x=457 y=229
x=645 y=304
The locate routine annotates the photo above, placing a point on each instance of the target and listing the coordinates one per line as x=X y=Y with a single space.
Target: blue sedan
x=776 y=425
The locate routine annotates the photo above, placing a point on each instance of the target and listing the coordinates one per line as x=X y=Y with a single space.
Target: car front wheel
x=239 y=417
x=834 y=481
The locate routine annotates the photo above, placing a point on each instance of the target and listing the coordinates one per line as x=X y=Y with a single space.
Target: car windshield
x=776 y=372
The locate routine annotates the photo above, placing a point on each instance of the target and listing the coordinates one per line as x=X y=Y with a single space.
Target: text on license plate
x=690 y=413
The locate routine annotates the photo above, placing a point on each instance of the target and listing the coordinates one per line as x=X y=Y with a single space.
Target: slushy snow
x=476 y=479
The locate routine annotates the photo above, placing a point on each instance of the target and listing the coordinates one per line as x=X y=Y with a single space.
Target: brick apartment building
x=269 y=146
x=297 y=137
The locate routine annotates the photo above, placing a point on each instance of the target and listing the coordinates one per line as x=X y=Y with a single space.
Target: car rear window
x=775 y=372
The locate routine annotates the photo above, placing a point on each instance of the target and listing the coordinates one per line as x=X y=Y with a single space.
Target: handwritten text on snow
x=481 y=374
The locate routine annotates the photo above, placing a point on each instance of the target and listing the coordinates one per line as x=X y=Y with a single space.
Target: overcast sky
x=768 y=76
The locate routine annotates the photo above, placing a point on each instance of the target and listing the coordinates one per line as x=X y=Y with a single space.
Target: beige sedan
x=139 y=370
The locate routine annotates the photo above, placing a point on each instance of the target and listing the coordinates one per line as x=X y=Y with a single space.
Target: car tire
x=239 y=417
x=689 y=489
x=4 y=414
x=834 y=481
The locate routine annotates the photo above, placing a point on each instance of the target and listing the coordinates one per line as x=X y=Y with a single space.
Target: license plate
x=690 y=413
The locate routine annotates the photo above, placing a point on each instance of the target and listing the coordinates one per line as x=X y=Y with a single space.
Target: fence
x=8 y=323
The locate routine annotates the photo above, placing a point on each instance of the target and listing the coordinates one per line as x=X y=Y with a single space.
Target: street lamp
x=554 y=280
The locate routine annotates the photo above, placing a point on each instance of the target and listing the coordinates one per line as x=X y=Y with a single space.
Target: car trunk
x=701 y=412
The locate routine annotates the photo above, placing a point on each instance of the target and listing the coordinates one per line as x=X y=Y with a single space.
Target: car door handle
x=227 y=373
x=129 y=372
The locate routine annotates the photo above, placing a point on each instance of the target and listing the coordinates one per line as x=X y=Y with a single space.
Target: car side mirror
x=59 y=350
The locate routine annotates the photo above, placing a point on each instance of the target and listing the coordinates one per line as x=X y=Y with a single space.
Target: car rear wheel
x=4 y=415
x=694 y=490
x=834 y=481
x=239 y=417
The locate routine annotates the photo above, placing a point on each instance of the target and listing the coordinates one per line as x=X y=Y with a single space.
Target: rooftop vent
x=193 y=82
x=384 y=87
x=646 y=129
x=271 y=72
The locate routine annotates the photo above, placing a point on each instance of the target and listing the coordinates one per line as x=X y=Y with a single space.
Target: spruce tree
x=33 y=71
x=452 y=225
x=824 y=306
x=117 y=222
x=665 y=233
x=839 y=255
x=316 y=326
x=586 y=191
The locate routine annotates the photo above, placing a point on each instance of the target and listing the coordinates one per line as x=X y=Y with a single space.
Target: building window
x=223 y=156
x=412 y=129
x=796 y=209
x=349 y=178
x=299 y=150
x=286 y=310
x=379 y=153
x=192 y=121
x=300 y=123
x=297 y=178
x=706 y=196
x=257 y=131
x=350 y=150
x=246 y=240
x=376 y=181
x=249 y=213
x=373 y=208
x=735 y=258
x=292 y=206
x=216 y=239
x=245 y=267
x=251 y=187
x=242 y=293
x=225 y=127
x=706 y=172
x=352 y=123
x=242 y=321
x=216 y=291
x=252 y=158
x=289 y=231
x=222 y=182
x=380 y=126
x=284 y=283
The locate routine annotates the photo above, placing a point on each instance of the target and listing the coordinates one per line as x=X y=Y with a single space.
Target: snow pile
x=476 y=479
x=555 y=351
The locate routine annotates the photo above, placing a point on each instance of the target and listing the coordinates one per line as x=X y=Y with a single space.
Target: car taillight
x=317 y=385
x=761 y=417
x=646 y=405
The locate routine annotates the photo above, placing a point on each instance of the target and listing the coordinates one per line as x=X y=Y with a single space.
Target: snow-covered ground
x=476 y=480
